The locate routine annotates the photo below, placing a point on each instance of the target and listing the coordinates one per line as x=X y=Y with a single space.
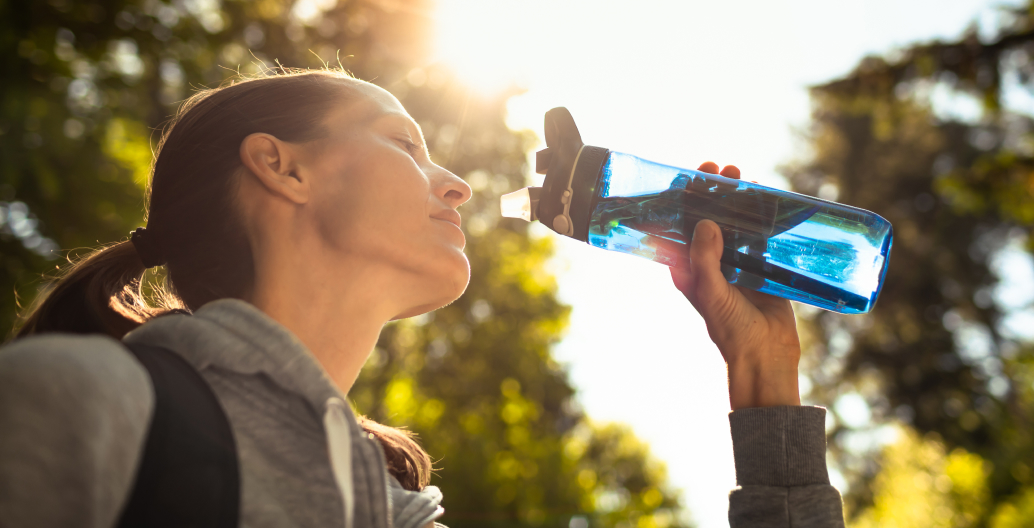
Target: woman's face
x=381 y=202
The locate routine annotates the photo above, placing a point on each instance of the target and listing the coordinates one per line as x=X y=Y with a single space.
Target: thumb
x=710 y=288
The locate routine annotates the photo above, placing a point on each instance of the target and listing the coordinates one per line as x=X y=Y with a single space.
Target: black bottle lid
x=572 y=172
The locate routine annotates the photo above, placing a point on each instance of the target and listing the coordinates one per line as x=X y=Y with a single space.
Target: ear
x=275 y=164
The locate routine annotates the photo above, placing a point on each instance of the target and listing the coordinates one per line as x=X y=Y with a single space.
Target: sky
x=679 y=82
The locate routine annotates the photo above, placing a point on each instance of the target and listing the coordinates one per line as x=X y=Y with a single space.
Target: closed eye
x=411 y=147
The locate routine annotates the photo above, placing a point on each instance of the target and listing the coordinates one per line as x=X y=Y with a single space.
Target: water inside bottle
x=808 y=250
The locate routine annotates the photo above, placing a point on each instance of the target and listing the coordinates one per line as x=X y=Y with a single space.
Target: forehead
x=368 y=104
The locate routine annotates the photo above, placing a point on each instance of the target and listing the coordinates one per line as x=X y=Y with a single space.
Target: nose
x=451 y=188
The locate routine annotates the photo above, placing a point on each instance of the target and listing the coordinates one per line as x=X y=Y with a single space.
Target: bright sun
x=490 y=45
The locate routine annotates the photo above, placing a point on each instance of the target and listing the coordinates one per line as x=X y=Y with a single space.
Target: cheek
x=373 y=205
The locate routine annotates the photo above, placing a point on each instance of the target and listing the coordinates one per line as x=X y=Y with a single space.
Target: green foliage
x=922 y=485
x=932 y=354
x=86 y=90
x=1016 y=512
x=621 y=479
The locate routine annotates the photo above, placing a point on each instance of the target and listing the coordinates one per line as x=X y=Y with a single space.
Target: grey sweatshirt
x=74 y=412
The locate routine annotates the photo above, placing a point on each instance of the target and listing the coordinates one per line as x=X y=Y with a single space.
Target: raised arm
x=779 y=446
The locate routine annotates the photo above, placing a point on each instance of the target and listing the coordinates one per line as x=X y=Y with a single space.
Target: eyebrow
x=409 y=122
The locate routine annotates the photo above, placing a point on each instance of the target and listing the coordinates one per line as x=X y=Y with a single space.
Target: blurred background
x=572 y=387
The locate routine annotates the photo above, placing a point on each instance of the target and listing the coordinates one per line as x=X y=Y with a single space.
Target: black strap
x=188 y=473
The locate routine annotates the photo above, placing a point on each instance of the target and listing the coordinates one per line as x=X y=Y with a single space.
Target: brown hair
x=193 y=227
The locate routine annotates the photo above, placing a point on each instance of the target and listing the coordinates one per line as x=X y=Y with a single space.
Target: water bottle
x=777 y=242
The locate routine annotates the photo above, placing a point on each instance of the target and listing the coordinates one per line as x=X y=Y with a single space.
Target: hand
x=756 y=333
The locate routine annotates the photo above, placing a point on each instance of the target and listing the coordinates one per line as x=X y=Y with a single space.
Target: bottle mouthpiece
x=520 y=204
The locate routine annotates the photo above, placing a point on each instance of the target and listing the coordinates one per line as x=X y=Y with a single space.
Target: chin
x=424 y=308
x=451 y=284
x=455 y=277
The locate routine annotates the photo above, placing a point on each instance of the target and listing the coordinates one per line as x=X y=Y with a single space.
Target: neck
x=339 y=325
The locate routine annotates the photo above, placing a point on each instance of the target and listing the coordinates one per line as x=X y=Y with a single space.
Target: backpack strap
x=188 y=473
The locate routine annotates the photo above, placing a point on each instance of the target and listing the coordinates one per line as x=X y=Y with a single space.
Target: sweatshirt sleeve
x=74 y=412
x=780 y=455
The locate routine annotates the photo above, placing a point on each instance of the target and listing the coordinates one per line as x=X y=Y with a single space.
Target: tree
x=936 y=354
x=87 y=88
x=921 y=485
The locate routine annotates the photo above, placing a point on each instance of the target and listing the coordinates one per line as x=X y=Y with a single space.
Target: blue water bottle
x=781 y=243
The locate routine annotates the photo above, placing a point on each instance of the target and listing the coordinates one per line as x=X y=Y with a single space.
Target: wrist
x=768 y=384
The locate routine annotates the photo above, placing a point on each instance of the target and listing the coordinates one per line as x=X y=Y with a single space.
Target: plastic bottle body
x=794 y=246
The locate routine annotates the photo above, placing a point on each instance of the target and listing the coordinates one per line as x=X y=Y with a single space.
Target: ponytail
x=98 y=294
x=406 y=460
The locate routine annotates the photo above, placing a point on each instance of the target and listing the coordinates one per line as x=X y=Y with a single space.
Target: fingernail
x=703 y=236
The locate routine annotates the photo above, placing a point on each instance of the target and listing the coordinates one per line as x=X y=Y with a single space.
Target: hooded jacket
x=74 y=413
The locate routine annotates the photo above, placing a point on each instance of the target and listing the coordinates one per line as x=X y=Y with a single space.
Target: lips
x=450 y=216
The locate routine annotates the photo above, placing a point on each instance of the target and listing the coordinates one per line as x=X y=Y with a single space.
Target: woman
x=294 y=216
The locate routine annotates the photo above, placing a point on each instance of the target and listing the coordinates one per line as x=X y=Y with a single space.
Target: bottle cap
x=568 y=192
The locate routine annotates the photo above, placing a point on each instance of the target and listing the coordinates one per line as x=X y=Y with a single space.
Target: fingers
x=710 y=290
x=681 y=277
x=709 y=167
x=729 y=171
x=698 y=274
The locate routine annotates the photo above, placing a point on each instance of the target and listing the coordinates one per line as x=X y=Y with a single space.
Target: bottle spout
x=521 y=204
